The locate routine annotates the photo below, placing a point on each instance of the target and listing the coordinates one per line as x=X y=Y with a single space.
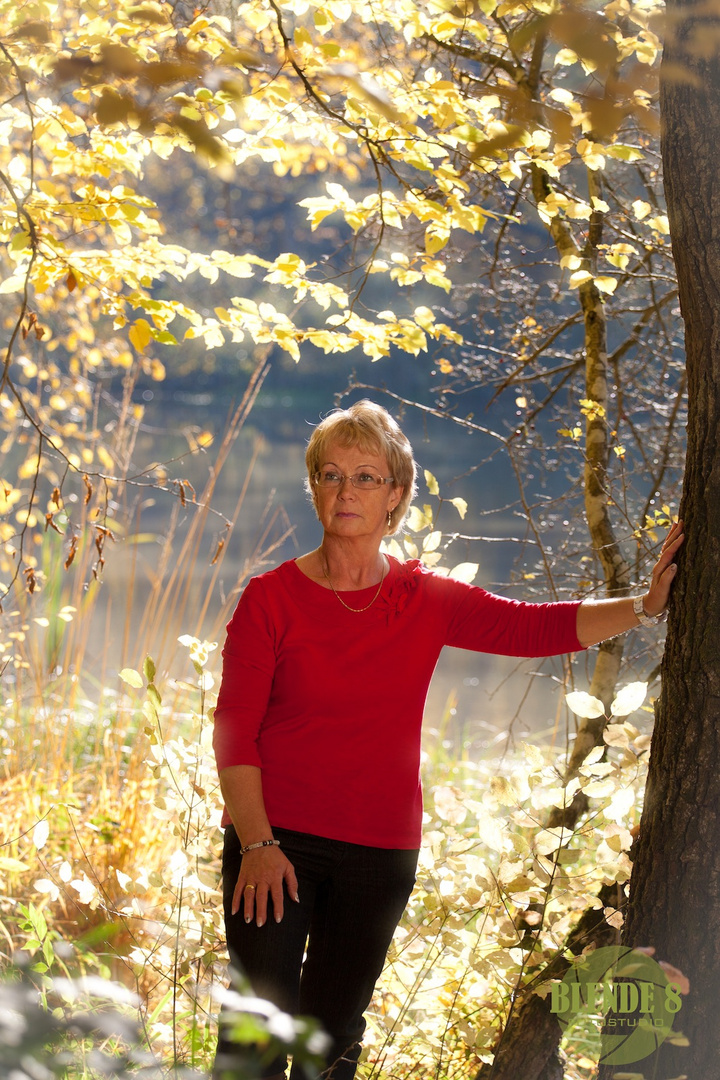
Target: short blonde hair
x=369 y=427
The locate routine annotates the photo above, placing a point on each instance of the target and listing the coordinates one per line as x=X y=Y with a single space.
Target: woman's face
x=350 y=511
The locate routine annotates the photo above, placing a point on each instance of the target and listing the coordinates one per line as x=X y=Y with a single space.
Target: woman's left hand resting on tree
x=598 y=620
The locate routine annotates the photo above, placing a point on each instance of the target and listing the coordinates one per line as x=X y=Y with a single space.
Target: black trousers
x=351 y=899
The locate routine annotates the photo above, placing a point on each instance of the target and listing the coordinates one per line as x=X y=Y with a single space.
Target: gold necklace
x=357 y=610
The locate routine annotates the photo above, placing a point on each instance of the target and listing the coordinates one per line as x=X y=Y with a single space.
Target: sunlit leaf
x=585 y=705
x=606 y=284
x=140 y=334
x=431 y=482
x=630 y=698
x=131 y=677
x=432 y=541
x=465 y=571
x=41 y=833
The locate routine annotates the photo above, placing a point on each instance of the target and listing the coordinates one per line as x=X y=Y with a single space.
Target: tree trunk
x=675 y=887
x=529 y=1046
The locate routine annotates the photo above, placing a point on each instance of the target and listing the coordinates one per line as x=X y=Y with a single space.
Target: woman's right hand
x=262 y=873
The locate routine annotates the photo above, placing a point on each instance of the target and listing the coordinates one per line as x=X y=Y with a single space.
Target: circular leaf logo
x=622 y=996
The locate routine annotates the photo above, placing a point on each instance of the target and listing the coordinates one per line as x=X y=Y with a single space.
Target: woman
x=317 y=727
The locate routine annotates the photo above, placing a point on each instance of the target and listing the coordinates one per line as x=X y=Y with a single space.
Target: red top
x=329 y=702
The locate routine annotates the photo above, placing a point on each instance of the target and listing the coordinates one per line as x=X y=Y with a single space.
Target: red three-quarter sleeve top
x=329 y=702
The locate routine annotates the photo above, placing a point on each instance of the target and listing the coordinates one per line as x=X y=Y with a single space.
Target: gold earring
x=389 y=521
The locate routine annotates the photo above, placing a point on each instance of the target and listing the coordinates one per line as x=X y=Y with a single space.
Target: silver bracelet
x=260 y=843
x=643 y=618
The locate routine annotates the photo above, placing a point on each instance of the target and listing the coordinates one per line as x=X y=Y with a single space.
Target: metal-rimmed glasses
x=364 y=480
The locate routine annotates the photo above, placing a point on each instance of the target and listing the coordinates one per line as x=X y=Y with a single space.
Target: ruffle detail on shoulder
x=405 y=580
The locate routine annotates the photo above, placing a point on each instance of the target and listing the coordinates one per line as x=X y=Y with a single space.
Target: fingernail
x=278 y=918
x=260 y=922
x=673 y=567
x=296 y=898
x=248 y=918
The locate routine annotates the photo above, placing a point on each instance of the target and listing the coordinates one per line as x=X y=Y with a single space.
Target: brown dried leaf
x=218 y=552
x=162 y=72
x=201 y=137
x=114 y=108
x=74 y=68
x=33 y=30
x=586 y=33
x=72 y=552
x=120 y=60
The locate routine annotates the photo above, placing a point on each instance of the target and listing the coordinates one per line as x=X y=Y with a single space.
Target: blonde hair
x=369 y=427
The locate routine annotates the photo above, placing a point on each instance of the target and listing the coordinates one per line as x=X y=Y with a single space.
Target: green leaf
x=150 y=714
x=154 y=695
x=149 y=669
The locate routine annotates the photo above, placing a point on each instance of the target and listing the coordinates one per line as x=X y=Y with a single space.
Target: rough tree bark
x=675 y=887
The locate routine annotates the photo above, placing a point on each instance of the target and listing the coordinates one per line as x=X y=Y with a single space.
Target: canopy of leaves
x=433 y=129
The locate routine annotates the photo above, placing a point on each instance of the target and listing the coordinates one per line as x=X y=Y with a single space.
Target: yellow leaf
x=131 y=677
x=11 y=865
x=629 y=699
x=417 y=519
x=465 y=571
x=432 y=541
x=436 y=237
x=432 y=484
x=105 y=457
x=140 y=334
x=585 y=705
x=606 y=284
x=641 y=209
x=660 y=224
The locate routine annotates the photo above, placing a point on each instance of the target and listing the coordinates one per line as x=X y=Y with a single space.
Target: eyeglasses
x=364 y=480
